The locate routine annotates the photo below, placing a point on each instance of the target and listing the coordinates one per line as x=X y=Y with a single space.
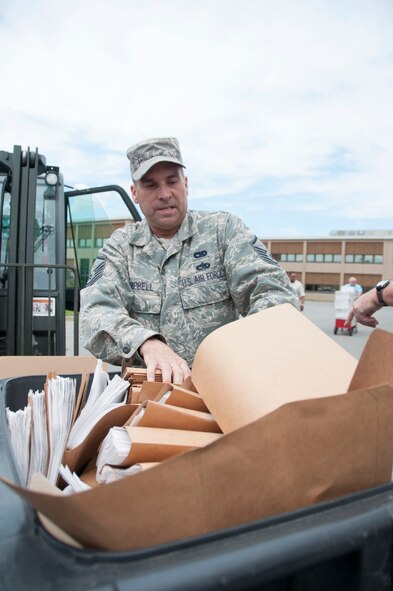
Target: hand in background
x=364 y=308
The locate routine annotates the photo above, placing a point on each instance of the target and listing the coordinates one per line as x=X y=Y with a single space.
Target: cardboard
x=152 y=444
x=89 y=473
x=34 y=365
x=376 y=362
x=184 y=398
x=137 y=375
x=40 y=484
x=149 y=391
x=248 y=368
x=153 y=414
x=302 y=453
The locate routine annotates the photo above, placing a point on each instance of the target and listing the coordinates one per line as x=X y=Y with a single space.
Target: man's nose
x=164 y=191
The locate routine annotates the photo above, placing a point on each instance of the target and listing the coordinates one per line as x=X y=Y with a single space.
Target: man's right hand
x=363 y=309
x=157 y=355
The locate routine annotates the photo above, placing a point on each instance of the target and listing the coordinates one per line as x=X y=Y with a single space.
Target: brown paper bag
x=302 y=453
x=250 y=367
x=375 y=364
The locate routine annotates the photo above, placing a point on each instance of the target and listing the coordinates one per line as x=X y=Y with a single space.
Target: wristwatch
x=380 y=287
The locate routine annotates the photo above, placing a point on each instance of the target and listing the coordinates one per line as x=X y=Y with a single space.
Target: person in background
x=298 y=288
x=370 y=302
x=160 y=286
x=353 y=283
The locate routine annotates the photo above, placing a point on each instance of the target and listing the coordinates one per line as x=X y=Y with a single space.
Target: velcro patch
x=262 y=252
x=97 y=270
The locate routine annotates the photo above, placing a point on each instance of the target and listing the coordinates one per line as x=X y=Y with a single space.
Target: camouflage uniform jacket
x=213 y=270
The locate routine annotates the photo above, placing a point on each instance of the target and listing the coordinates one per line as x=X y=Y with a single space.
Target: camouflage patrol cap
x=144 y=155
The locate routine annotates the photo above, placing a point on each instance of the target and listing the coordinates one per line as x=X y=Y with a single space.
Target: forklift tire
x=335 y=330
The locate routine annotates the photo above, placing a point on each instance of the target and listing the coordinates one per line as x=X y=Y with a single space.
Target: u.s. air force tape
x=262 y=252
x=97 y=270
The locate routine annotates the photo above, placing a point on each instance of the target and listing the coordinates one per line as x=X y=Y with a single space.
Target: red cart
x=343 y=304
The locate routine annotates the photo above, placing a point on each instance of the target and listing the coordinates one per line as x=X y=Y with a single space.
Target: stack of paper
x=39 y=432
x=112 y=396
x=39 y=452
x=49 y=429
x=19 y=424
x=126 y=446
x=158 y=429
x=75 y=484
x=60 y=403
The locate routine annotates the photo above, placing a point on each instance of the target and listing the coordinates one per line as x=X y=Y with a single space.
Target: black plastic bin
x=345 y=544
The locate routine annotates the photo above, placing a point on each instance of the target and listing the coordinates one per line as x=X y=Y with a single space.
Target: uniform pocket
x=146 y=302
x=203 y=294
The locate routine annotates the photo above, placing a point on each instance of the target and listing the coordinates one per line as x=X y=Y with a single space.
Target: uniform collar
x=143 y=235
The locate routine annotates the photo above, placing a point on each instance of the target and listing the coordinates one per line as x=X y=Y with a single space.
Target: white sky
x=283 y=108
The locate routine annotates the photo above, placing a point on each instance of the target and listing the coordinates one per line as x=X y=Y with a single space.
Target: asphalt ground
x=320 y=313
x=323 y=315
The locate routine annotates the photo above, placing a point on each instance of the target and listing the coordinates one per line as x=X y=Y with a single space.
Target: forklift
x=38 y=217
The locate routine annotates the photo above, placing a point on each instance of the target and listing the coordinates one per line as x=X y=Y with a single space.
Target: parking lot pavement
x=323 y=315
x=320 y=313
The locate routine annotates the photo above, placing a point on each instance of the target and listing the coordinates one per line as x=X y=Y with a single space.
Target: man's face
x=162 y=196
x=292 y=277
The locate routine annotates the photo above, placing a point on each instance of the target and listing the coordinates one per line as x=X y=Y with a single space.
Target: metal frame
x=105 y=189
x=23 y=349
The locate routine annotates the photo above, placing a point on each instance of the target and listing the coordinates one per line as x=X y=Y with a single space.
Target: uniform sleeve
x=256 y=281
x=107 y=330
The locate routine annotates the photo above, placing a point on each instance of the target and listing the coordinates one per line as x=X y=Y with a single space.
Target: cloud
x=290 y=101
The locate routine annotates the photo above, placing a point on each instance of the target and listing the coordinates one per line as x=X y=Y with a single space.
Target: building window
x=364 y=258
x=85 y=242
x=322 y=288
x=288 y=257
x=99 y=242
x=324 y=258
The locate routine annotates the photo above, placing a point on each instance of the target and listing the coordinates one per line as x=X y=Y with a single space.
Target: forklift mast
x=36 y=226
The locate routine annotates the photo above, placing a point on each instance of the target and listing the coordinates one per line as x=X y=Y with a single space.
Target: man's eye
x=172 y=181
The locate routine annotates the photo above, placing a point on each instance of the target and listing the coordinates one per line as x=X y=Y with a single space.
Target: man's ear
x=186 y=183
x=134 y=194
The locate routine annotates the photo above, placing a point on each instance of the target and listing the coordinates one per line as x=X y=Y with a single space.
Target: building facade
x=323 y=265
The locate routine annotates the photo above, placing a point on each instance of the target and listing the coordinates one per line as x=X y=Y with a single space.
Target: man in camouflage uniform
x=160 y=286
